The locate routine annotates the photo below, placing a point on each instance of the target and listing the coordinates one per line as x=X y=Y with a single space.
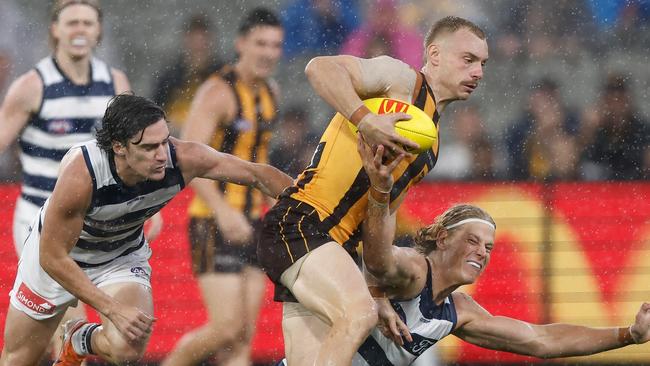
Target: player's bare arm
x=399 y=270
x=342 y=81
x=63 y=224
x=201 y=161
x=479 y=327
x=22 y=99
x=213 y=106
x=120 y=81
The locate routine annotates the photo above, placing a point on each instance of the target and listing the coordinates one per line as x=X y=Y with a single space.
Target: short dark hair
x=451 y=24
x=256 y=17
x=198 y=22
x=126 y=116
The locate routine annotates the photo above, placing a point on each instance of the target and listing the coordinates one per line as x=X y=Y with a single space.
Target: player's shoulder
x=118 y=74
x=30 y=81
x=74 y=166
x=466 y=305
x=216 y=88
x=184 y=149
x=388 y=62
x=26 y=90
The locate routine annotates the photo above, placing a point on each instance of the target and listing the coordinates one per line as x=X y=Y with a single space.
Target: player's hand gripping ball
x=419 y=129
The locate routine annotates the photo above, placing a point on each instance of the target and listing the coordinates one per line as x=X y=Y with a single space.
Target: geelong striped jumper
x=69 y=114
x=113 y=226
x=427 y=322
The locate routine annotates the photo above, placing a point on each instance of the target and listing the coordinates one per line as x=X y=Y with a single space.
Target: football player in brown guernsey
x=309 y=237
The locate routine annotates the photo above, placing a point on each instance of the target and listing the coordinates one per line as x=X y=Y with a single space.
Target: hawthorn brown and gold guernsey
x=246 y=137
x=336 y=185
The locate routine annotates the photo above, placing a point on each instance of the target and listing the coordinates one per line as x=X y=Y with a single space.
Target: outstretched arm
x=545 y=341
x=201 y=161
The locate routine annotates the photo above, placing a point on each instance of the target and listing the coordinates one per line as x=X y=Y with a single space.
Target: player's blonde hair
x=58 y=7
x=425 y=240
x=451 y=24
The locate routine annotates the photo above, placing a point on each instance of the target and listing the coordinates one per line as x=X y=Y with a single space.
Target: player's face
x=148 y=158
x=260 y=50
x=470 y=250
x=77 y=30
x=462 y=58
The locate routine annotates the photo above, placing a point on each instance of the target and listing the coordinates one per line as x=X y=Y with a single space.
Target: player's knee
x=226 y=335
x=122 y=352
x=359 y=316
x=125 y=354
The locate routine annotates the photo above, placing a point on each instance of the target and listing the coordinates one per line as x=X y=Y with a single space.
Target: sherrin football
x=419 y=129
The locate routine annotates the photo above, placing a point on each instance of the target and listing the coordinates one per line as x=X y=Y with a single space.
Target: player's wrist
x=359 y=115
x=626 y=336
x=636 y=336
x=378 y=197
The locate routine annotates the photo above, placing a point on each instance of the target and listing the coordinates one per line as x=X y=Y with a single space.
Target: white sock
x=81 y=339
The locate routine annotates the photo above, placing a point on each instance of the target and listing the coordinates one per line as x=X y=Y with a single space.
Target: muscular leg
x=331 y=286
x=254 y=284
x=107 y=341
x=303 y=335
x=223 y=295
x=26 y=339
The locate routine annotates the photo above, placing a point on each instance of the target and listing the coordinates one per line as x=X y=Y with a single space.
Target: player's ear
x=433 y=54
x=54 y=32
x=119 y=149
x=239 y=43
x=441 y=239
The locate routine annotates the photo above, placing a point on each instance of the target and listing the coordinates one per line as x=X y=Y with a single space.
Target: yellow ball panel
x=419 y=129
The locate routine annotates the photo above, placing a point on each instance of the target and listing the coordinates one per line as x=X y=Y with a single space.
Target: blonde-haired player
x=416 y=288
x=309 y=234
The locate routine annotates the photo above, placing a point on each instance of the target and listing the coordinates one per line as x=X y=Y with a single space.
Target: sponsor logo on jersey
x=139 y=272
x=60 y=126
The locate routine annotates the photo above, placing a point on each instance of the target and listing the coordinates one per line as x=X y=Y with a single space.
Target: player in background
x=234 y=111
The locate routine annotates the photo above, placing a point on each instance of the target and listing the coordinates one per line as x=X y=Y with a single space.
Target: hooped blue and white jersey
x=68 y=115
x=113 y=225
x=427 y=322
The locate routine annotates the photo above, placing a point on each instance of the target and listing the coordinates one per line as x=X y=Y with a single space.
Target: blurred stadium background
x=554 y=143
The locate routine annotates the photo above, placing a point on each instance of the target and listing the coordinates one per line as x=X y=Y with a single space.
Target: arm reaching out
x=201 y=161
x=545 y=341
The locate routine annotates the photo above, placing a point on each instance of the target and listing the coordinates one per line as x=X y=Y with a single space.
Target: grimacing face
x=147 y=159
x=462 y=58
x=470 y=246
x=260 y=50
x=76 y=30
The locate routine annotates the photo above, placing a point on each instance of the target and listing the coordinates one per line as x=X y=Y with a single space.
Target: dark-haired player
x=88 y=242
x=234 y=111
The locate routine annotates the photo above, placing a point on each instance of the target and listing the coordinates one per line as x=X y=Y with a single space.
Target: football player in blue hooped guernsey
x=88 y=242
x=56 y=105
x=415 y=288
